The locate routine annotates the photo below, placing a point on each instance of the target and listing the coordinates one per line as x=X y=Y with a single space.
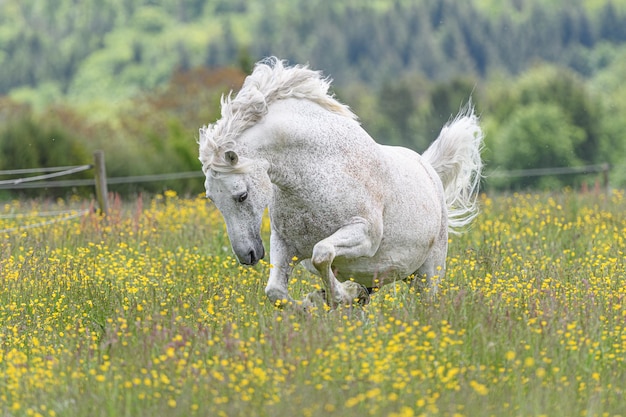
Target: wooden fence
x=100 y=180
x=603 y=169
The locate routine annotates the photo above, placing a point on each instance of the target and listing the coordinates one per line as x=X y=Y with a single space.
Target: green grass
x=147 y=313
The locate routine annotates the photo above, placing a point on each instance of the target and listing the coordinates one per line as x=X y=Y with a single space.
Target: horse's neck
x=306 y=123
x=298 y=136
x=300 y=140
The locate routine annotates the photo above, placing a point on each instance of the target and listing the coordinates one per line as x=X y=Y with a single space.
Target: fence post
x=102 y=192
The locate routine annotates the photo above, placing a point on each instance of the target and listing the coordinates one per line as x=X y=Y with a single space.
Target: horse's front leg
x=281 y=267
x=357 y=239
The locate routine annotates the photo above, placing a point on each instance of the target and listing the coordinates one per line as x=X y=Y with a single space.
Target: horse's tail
x=455 y=156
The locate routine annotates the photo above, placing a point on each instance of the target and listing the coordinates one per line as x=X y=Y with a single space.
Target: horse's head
x=241 y=190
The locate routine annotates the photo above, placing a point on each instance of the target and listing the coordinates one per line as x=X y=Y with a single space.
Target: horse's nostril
x=252 y=257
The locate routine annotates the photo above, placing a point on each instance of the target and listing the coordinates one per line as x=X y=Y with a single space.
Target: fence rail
x=538 y=172
x=36 y=170
x=111 y=180
x=55 y=174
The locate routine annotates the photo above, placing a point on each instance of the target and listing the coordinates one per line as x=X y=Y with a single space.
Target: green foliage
x=119 y=47
x=609 y=85
x=24 y=143
x=28 y=143
x=537 y=136
x=545 y=119
x=405 y=68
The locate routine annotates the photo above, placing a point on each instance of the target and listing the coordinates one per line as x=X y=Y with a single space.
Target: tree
x=30 y=143
x=397 y=104
x=537 y=136
x=548 y=84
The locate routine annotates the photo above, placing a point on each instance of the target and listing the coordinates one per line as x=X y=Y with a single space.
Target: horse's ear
x=231 y=157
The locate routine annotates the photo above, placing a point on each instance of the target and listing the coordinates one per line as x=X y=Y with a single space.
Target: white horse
x=358 y=213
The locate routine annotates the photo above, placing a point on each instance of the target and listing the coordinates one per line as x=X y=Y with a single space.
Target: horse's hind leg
x=428 y=275
x=357 y=239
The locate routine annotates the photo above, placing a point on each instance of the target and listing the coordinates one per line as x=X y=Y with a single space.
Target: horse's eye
x=242 y=197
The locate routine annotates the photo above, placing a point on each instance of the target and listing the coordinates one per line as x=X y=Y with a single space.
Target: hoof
x=316 y=299
x=356 y=293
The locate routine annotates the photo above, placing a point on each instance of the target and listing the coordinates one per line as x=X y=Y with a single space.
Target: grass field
x=147 y=313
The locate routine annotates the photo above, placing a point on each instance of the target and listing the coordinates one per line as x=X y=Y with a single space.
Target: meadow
x=147 y=313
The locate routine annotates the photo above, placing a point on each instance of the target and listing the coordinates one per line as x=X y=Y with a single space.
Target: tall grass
x=147 y=313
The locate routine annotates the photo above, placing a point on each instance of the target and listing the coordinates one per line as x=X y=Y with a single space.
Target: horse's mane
x=270 y=81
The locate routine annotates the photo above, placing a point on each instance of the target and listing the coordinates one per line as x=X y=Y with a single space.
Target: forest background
x=138 y=78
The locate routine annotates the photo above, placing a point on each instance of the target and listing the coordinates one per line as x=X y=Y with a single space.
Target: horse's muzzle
x=253 y=256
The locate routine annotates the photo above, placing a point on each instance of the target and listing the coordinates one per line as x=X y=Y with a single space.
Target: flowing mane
x=270 y=81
